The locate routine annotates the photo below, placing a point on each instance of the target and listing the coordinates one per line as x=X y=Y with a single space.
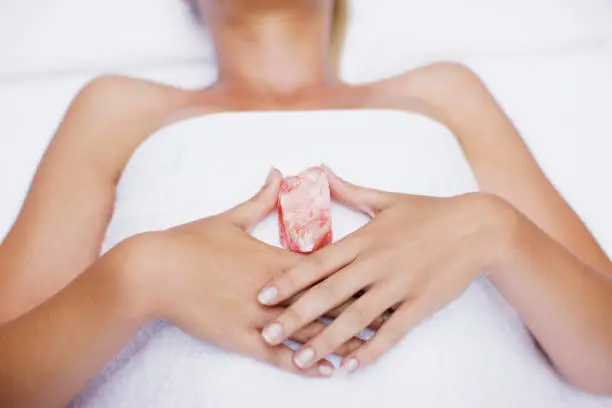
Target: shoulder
x=122 y=97
x=133 y=102
x=431 y=89
x=113 y=86
x=432 y=78
x=110 y=116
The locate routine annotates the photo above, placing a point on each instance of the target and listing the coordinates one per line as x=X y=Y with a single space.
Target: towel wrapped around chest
x=473 y=353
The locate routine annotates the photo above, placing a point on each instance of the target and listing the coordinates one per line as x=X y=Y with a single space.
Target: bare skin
x=53 y=280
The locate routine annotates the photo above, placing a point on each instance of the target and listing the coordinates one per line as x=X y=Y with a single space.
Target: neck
x=273 y=51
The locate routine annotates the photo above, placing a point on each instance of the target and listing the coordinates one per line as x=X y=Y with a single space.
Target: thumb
x=247 y=214
x=366 y=200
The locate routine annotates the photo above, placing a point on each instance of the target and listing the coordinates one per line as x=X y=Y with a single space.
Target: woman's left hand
x=417 y=255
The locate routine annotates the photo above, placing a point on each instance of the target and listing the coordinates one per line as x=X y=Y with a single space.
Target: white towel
x=473 y=353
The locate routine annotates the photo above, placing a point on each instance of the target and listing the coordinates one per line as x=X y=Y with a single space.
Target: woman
x=275 y=55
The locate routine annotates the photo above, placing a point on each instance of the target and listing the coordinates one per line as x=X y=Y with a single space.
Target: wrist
x=503 y=239
x=129 y=265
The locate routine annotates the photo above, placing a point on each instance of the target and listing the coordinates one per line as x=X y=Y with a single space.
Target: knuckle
x=357 y=318
x=287 y=260
x=315 y=263
x=307 y=307
x=293 y=318
x=324 y=294
x=287 y=284
x=288 y=280
x=324 y=290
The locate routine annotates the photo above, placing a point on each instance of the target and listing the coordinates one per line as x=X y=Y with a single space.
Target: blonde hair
x=338 y=35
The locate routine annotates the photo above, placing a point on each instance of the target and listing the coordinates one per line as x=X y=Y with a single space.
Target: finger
x=366 y=200
x=314 y=329
x=292 y=299
x=281 y=356
x=312 y=269
x=337 y=311
x=283 y=260
x=258 y=207
x=374 y=325
x=392 y=331
x=348 y=347
x=288 y=302
x=326 y=295
x=353 y=321
x=261 y=316
x=306 y=333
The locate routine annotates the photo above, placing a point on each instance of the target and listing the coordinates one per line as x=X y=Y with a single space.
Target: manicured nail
x=273 y=333
x=326 y=370
x=304 y=357
x=350 y=365
x=267 y=295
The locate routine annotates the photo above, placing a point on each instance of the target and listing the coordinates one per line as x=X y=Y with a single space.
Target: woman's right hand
x=204 y=277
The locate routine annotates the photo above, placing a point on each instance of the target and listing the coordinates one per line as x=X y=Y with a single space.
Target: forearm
x=565 y=304
x=504 y=166
x=49 y=247
x=49 y=354
x=555 y=275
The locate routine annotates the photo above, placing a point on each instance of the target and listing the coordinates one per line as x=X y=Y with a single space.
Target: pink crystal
x=304 y=211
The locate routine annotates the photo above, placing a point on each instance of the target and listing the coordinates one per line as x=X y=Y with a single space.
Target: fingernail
x=326 y=370
x=304 y=357
x=270 y=175
x=350 y=365
x=267 y=295
x=273 y=333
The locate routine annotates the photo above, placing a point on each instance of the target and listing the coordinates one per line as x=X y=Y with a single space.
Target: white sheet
x=53 y=36
x=561 y=100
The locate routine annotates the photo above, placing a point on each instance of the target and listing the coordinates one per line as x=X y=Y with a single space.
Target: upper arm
x=59 y=230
